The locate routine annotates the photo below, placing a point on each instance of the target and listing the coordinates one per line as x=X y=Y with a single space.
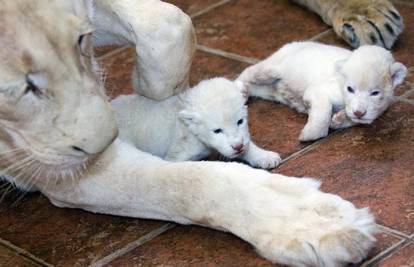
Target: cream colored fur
x=336 y=87
x=57 y=132
x=211 y=116
x=360 y=22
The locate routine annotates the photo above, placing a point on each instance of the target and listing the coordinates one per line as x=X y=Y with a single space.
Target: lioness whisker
x=15 y=167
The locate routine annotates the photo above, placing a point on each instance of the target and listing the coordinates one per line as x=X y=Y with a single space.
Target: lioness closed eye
x=210 y=116
x=336 y=87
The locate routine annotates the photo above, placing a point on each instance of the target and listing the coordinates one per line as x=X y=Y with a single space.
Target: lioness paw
x=361 y=22
x=327 y=232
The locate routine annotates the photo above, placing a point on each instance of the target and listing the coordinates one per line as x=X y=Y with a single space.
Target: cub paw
x=311 y=133
x=363 y=22
x=266 y=160
x=339 y=120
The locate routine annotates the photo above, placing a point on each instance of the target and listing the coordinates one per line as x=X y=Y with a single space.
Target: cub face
x=215 y=112
x=368 y=79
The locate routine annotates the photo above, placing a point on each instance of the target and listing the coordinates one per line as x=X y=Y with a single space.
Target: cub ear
x=189 y=117
x=398 y=73
x=243 y=88
x=339 y=65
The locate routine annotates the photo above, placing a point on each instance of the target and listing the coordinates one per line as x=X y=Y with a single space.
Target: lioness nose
x=360 y=114
x=238 y=147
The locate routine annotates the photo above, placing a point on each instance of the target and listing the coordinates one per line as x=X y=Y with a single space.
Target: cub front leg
x=360 y=22
x=258 y=157
x=319 y=119
x=163 y=36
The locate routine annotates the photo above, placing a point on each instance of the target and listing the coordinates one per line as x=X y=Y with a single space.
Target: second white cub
x=189 y=126
x=335 y=86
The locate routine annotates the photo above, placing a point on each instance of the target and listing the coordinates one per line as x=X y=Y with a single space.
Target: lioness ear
x=189 y=117
x=243 y=88
x=398 y=73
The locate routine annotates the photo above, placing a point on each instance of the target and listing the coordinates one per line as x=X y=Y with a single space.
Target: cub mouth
x=362 y=121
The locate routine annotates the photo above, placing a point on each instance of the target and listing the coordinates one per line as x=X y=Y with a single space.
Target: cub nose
x=238 y=147
x=359 y=114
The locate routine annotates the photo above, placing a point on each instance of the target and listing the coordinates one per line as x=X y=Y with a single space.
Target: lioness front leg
x=288 y=220
x=163 y=36
x=360 y=22
x=258 y=157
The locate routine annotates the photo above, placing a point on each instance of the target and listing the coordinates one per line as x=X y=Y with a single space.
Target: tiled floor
x=369 y=165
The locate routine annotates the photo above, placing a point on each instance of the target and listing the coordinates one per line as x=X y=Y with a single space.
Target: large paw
x=312 y=132
x=361 y=22
x=320 y=230
x=265 y=160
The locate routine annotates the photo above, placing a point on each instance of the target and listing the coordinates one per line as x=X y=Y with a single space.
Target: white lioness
x=189 y=126
x=325 y=81
x=55 y=121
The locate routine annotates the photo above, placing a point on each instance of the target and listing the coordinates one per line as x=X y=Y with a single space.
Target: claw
x=350 y=34
x=395 y=15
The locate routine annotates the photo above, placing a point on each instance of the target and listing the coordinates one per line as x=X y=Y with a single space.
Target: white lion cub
x=336 y=87
x=210 y=116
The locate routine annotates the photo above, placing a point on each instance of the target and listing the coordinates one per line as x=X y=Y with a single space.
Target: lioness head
x=215 y=112
x=52 y=106
x=369 y=77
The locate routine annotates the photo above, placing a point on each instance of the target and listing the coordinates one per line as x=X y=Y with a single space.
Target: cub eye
x=350 y=89
x=375 y=93
x=217 y=131
x=31 y=87
x=240 y=122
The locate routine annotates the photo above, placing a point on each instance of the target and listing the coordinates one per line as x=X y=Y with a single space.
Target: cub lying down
x=209 y=116
x=336 y=87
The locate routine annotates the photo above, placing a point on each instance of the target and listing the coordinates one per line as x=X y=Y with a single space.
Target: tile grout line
x=24 y=254
x=133 y=245
x=391 y=231
x=228 y=55
x=386 y=253
x=321 y=35
x=250 y=60
x=308 y=148
x=405 y=100
x=209 y=8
